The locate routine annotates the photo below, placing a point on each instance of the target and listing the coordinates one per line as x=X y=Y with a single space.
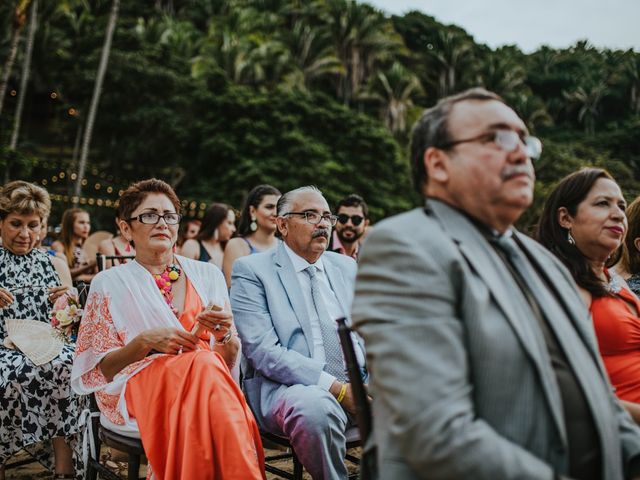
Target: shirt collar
x=299 y=263
x=338 y=247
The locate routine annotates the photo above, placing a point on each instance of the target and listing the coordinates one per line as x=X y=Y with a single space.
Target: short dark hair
x=254 y=198
x=432 y=129
x=135 y=194
x=354 y=200
x=212 y=219
x=569 y=193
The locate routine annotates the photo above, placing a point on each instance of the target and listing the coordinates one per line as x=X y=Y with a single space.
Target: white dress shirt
x=332 y=305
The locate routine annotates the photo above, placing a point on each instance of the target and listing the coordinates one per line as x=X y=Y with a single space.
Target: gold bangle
x=343 y=392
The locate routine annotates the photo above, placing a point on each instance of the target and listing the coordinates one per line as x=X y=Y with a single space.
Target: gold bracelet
x=343 y=392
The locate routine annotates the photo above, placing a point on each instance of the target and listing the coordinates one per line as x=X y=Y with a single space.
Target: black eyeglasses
x=505 y=140
x=154 y=218
x=343 y=218
x=315 y=218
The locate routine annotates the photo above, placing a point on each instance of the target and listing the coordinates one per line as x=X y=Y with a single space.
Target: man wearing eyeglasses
x=353 y=219
x=482 y=351
x=285 y=303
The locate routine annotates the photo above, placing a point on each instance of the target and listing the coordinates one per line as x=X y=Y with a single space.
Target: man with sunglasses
x=482 y=351
x=285 y=302
x=353 y=220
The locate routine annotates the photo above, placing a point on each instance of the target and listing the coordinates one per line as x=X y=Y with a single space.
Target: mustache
x=512 y=170
x=321 y=232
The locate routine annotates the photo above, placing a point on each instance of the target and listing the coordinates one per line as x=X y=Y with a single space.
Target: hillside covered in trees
x=216 y=96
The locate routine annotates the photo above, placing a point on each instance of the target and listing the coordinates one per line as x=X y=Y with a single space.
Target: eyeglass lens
x=153 y=218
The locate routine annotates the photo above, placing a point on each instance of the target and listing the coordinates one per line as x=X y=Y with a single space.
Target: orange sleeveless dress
x=194 y=420
x=618 y=332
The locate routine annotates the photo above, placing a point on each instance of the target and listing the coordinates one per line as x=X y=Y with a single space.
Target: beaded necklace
x=165 y=280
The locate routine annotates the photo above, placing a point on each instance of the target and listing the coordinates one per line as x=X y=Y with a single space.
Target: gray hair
x=432 y=129
x=286 y=200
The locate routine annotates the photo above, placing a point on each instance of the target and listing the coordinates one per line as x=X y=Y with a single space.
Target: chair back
x=368 y=469
x=101 y=260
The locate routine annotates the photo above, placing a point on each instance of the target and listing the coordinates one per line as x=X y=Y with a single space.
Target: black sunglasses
x=355 y=219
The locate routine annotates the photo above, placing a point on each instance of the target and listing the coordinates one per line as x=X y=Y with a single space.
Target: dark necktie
x=333 y=354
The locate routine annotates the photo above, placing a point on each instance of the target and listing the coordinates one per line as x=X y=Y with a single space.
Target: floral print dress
x=36 y=402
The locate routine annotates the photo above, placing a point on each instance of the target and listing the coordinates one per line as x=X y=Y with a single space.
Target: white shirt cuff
x=326 y=380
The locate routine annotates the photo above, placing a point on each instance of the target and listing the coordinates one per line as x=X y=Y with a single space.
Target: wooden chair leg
x=297 y=466
x=133 y=471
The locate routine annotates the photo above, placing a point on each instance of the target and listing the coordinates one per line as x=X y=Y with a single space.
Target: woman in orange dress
x=156 y=343
x=584 y=224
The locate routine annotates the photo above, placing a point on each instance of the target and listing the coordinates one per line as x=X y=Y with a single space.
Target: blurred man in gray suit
x=481 y=351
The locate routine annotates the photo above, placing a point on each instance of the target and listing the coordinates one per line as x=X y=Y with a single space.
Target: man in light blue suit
x=285 y=303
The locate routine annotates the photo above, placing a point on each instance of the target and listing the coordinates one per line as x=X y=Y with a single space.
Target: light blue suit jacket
x=273 y=323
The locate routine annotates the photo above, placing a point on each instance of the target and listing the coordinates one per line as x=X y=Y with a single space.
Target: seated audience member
x=188 y=231
x=218 y=226
x=75 y=230
x=116 y=246
x=36 y=402
x=285 y=302
x=584 y=223
x=160 y=328
x=629 y=265
x=482 y=358
x=257 y=227
x=353 y=220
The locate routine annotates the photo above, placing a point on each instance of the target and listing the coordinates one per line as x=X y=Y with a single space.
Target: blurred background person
x=217 y=227
x=151 y=328
x=36 y=402
x=353 y=220
x=257 y=227
x=188 y=231
x=629 y=265
x=583 y=223
x=116 y=246
x=75 y=229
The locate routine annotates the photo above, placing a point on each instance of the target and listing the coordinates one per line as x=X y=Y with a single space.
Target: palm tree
x=587 y=102
x=311 y=54
x=363 y=39
x=26 y=68
x=501 y=72
x=453 y=54
x=93 y=109
x=18 y=22
x=631 y=69
x=394 y=89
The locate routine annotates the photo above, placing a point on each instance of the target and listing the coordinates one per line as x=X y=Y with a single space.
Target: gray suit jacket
x=273 y=323
x=460 y=384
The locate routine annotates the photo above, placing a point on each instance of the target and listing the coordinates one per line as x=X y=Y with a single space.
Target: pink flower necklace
x=165 y=280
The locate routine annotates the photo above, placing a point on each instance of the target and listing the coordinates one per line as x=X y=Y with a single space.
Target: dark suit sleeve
x=260 y=342
x=407 y=309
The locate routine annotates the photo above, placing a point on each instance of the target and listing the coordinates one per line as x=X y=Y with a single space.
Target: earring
x=253 y=225
x=570 y=239
x=215 y=235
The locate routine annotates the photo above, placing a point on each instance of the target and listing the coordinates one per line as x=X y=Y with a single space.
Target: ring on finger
x=179 y=350
x=217 y=327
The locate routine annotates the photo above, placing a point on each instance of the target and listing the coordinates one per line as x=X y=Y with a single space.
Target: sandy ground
x=35 y=470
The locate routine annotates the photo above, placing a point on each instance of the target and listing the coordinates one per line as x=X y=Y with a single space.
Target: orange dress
x=618 y=332
x=194 y=420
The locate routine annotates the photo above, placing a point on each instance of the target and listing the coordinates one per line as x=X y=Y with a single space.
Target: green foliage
x=219 y=95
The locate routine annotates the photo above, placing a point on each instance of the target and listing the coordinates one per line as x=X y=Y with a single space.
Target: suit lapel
x=337 y=284
x=291 y=286
x=488 y=265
